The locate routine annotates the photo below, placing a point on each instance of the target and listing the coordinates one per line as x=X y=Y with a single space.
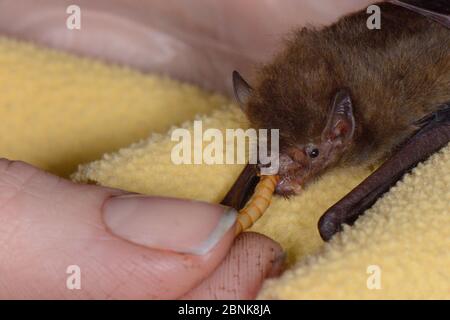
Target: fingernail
x=182 y=226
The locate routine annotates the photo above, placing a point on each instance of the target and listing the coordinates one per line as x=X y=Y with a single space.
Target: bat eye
x=313 y=153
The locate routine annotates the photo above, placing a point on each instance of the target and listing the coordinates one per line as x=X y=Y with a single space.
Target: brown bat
x=345 y=95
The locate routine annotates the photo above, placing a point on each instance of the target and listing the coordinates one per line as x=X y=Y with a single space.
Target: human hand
x=197 y=41
x=126 y=245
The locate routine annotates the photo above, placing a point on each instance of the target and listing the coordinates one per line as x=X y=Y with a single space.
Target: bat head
x=312 y=137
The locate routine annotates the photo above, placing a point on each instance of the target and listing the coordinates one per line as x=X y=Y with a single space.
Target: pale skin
x=48 y=223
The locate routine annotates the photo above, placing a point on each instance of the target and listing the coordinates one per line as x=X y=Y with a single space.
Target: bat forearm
x=429 y=139
x=242 y=189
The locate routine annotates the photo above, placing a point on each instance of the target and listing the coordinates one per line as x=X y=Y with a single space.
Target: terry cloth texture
x=59 y=111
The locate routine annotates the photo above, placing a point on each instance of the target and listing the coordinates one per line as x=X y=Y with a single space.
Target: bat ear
x=242 y=90
x=341 y=121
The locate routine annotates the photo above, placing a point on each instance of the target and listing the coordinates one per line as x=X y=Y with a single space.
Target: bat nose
x=288 y=187
x=293 y=158
x=286 y=163
x=296 y=154
x=289 y=166
x=285 y=159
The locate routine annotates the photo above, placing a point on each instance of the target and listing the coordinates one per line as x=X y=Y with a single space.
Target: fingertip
x=252 y=259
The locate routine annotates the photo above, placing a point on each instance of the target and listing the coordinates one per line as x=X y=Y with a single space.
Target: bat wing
x=243 y=188
x=438 y=10
x=434 y=134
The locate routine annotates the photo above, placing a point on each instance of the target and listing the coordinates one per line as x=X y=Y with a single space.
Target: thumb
x=125 y=246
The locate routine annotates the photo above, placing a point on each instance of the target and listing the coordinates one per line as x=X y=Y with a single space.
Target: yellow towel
x=399 y=249
x=404 y=240
x=58 y=110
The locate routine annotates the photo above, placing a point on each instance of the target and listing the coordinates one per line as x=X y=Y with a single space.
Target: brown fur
x=396 y=76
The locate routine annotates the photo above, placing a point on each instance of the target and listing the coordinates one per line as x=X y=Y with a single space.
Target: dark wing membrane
x=434 y=134
x=243 y=188
x=438 y=10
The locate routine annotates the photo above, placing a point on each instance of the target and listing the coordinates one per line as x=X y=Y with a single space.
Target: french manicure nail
x=169 y=224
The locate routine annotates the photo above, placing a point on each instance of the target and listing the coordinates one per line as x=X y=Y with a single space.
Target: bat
x=345 y=95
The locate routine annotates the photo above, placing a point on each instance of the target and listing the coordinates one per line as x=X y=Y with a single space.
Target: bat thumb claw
x=328 y=227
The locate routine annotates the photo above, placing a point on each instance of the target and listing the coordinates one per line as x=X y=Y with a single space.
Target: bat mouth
x=292 y=176
x=289 y=186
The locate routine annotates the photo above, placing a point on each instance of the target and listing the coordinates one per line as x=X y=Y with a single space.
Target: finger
x=252 y=259
x=48 y=224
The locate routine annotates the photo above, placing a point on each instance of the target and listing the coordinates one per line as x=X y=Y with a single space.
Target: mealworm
x=257 y=204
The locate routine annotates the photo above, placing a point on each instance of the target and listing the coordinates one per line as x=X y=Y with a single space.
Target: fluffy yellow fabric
x=406 y=235
x=70 y=110
x=146 y=167
x=58 y=110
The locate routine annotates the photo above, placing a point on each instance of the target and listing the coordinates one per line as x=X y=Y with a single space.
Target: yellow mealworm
x=257 y=204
